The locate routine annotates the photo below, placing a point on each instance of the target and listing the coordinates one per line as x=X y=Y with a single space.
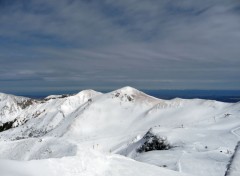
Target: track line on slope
x=229 y=166
x=228 y=171
x=234 y=133
x=179 y=162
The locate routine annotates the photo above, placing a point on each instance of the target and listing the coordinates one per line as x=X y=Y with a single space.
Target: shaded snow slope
x=59 y=129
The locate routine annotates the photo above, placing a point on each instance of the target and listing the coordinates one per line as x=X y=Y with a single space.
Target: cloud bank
x=72 y=45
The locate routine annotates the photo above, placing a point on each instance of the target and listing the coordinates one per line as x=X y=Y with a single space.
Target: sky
x=68 y=45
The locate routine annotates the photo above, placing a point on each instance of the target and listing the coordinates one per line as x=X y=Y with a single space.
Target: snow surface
x=91 y=133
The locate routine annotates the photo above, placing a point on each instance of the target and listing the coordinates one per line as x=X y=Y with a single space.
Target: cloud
x=107 y=44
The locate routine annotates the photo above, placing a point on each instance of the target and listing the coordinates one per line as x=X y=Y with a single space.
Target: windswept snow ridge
x=91 y=133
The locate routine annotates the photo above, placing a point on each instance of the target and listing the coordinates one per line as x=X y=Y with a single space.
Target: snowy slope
x=59 y=129
x=43 y=116
x=11 y=105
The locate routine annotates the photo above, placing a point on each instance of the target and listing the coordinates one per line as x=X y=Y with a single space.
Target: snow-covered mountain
x=124 y=132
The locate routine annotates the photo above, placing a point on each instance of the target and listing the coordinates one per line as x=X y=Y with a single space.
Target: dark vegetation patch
x=58 y=97
x=129 y=98
x=125 y=97
x=153 y=142
x=37 y=113
x=37 y=132
x=26 y=103
x=6 y=126
x=11 y=124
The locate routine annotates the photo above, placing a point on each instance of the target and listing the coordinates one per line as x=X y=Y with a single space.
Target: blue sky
x=66 y=45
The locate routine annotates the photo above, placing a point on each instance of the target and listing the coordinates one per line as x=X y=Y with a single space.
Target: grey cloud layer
x=107 y=44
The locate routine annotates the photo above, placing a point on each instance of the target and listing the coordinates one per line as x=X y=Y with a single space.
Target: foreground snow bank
x=85 y=163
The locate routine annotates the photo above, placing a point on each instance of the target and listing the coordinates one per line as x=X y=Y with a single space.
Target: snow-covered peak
x=131 y=94
x=4 y=96
x=71 y=103
x=128 y=90
x=84 y=95
x=89 y=93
